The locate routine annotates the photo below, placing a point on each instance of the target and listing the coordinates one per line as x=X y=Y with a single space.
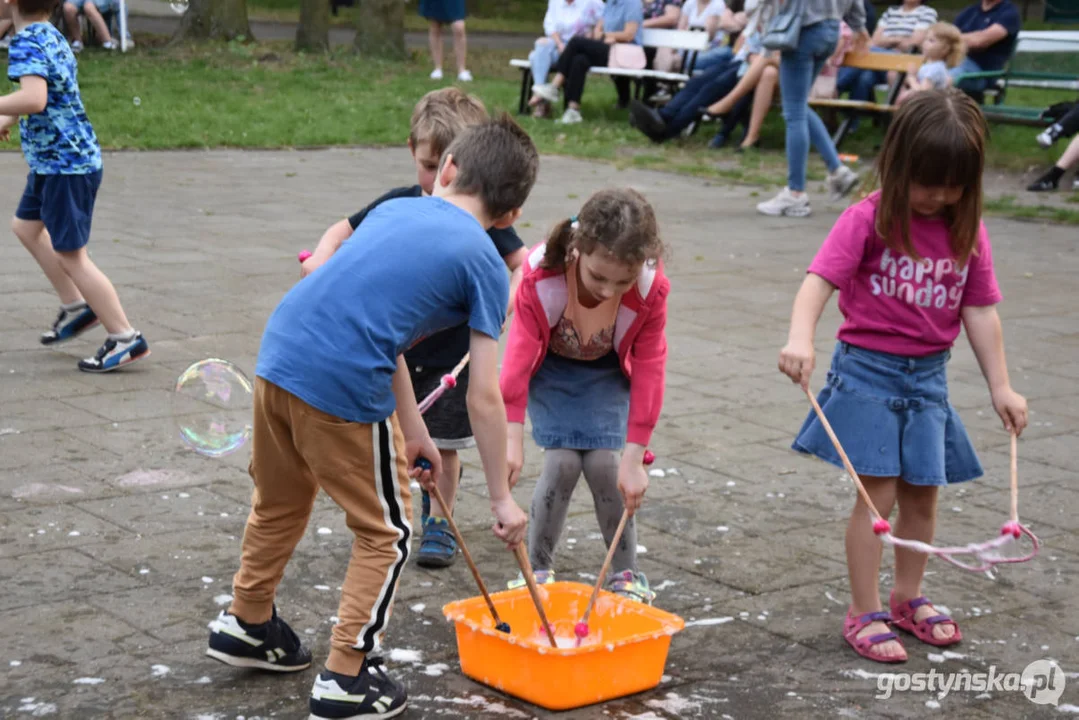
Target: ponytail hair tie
x=573 y=222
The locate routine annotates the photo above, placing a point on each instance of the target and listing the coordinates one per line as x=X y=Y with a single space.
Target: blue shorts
x=65 y=203
x=893 y=417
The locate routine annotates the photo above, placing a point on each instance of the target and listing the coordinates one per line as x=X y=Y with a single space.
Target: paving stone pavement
x=117 y=545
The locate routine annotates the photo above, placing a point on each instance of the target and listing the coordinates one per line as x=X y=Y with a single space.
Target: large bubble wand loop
x=985 y=553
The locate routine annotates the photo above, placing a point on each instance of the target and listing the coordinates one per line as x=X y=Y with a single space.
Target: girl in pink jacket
x=587 y=355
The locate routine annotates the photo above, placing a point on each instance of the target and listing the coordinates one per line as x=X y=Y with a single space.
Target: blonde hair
x=441 y=115
x=951 y=36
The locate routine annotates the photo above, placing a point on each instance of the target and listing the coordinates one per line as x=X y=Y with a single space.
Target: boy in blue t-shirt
x=53 y=217
x=334 y=409
x=437 y=119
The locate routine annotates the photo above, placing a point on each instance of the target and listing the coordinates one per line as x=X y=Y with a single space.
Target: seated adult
x=900 y=29
x=565 y=20
x=718 y=21
x=93 y=11
x=620 y=24
x=1065 y=126
x=989 y=28
x=702 y=90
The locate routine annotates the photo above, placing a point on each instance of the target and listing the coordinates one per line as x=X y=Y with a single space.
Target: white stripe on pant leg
x=391 y=501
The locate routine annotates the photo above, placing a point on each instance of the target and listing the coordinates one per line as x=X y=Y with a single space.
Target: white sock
x=72 y=307
x=124 y=336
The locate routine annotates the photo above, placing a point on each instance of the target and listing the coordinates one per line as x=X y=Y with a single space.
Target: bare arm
x=669 y=18
x=987 y=340
x=30 y=98
x=417 y=440
x=515 y=262
x=798 y=358
x=331 y=242
x=728 y=21
x=487 y=414
x=626 y=35
x=915 y=40
x=597 y=31
x=984 y=38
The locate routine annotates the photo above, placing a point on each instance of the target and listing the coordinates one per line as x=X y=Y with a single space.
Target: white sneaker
x=110 y=45
x=436 y=74
x=464 y=76
x=1075 y=184
x=76 y=47
x=842 y=181
x=1047 y=137
x=547 y=91
x=785 y=203
x=571 y=117
x=5 y=43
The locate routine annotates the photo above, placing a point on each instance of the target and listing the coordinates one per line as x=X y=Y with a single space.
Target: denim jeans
x=797 y=71
x=712 y=58
x=542 y=58
x=703 y=89
x=860 y=83
x=972 y=85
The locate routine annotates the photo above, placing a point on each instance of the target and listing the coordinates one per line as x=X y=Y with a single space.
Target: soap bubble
x=211 y=407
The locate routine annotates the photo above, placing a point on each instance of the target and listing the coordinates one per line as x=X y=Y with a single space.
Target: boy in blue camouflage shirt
x=54 y=214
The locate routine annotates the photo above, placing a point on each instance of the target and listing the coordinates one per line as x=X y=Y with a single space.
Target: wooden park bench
x=690 y=42
x=885 y=62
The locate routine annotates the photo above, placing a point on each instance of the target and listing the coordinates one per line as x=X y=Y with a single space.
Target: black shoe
x=371 y=694
x=269 y=646
x=1043 y=184
x=718 y=141
x=648 y=121
x=69 y=324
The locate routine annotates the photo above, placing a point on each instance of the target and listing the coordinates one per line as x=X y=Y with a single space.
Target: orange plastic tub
x=625 y=652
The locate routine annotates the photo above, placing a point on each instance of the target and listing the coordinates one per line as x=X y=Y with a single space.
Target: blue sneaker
x=426 y=504
x=114 y=354
x=69 y=324
x=438 y=547
x=269 y=646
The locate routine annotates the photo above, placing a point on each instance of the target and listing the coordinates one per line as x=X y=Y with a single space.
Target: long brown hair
x=619 y=220
x=936 y=139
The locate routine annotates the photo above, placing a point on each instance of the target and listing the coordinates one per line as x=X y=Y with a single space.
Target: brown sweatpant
x=296 y=450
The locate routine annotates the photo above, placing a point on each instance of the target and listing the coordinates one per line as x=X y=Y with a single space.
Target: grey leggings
x=550 y=504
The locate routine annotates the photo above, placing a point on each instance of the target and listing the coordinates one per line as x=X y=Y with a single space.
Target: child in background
x=943 y=49
x=54 y=215
x=912 y=263
x=334 y=409
x=587 y=355
x=437 y=119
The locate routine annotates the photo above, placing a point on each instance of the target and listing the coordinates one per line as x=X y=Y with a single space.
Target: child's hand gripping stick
x=425 y=464
x=581 y=628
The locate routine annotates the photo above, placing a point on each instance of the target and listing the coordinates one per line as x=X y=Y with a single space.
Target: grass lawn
x=266 y=96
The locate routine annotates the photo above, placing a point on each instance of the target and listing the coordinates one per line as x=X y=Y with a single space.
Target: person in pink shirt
x=587 y=356
x=912 y=263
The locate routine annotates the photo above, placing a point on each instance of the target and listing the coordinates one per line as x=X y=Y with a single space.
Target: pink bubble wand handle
x=448 y=381
x=304 y=254
x=581 y=628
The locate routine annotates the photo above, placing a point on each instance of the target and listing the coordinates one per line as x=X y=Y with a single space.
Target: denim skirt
x=578 y=404
x=892 y=415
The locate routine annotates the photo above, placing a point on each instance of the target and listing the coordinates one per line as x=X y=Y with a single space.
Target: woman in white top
x=716 y=19
x=564 y=19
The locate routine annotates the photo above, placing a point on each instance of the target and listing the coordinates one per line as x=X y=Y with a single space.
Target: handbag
x=785 y=27
x=626 y=56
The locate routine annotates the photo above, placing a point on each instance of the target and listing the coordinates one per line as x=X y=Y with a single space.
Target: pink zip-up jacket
x=639 y=337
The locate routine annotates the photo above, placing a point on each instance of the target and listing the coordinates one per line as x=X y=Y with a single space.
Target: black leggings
x=579 y=55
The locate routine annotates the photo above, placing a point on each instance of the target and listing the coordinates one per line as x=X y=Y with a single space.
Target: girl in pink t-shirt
x=912 y=263
x=587 y=356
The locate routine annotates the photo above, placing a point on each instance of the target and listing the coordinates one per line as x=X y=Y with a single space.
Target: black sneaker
x=371 y=694
x=114 y=354
x=269 y=646
x=1043 y=184
x=69 y=324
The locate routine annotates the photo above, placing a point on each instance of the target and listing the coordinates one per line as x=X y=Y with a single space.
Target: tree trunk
x=380 y=29
x=214 y=20
x=313 y=33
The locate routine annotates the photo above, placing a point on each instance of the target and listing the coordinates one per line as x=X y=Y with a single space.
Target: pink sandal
x=864 y=645
x=903 y=618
